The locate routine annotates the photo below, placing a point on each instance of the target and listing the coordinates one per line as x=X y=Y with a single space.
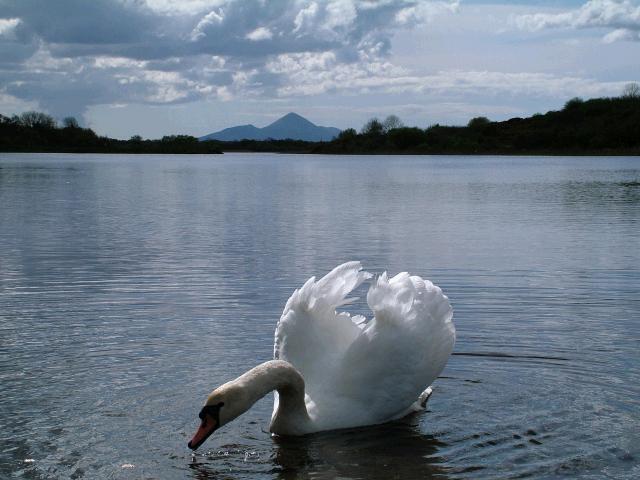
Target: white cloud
x=183 y=6
x=43 y=62
x=259 y=34
x=305 y=17
x=8 y=25
x=424 y=12
x=315 y=74
x=340 y=13
x=106 y=62
x=166 y=87
x=620 y=15
x=621 y=34
x=12 y=105
x=214 y=17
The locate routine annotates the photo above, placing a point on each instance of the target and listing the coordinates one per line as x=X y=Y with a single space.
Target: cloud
x=620 y=16
x=214 y=17
x=340 y=14
x=99 y=22
x=425 y=12
x=260 y=33
x=75 y=54
x=621 y=34
x=12 y=105
x=71 y=54
x=172 y=7
x=313 y=74
x=8 y=25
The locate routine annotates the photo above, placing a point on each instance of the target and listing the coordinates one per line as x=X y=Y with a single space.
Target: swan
x=332 y=370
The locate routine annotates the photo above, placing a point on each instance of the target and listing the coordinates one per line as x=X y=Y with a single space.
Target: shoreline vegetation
x=39 y=132
x=600 y=126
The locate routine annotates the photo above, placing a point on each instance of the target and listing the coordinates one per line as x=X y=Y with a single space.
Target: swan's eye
x=212 y=410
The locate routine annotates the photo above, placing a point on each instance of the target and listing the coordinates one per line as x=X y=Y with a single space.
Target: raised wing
x=402 y=350
x=311 y=335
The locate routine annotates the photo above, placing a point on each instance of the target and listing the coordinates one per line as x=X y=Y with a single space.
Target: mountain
x=236 y=133
x=291 y=126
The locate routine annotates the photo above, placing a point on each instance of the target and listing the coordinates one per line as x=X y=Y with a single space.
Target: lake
x=131 y=286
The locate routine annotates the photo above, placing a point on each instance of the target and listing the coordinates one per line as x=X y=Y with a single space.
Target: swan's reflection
x=392 y=450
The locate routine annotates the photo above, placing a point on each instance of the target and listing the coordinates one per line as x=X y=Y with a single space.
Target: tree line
x=596 y=126
x=39 y=132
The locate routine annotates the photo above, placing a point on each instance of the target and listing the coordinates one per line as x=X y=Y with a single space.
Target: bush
x=347 y=135
x=392 y=122
x=573 y=103
x=373 y=128
x=478 y=122
x=70 y=122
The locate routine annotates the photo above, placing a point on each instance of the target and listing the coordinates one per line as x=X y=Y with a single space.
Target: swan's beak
x=207 y=427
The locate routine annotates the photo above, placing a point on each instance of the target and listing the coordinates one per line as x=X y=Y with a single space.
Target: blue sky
x=157 y=67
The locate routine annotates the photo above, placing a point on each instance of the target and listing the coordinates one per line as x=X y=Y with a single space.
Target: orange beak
x=207 y=427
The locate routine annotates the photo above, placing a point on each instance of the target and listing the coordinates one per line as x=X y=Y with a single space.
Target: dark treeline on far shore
x=270 y=145
x=39 y=132
x=597 y=126
x=600 y=126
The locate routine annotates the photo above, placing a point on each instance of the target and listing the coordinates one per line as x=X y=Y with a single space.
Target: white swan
x=335 y=371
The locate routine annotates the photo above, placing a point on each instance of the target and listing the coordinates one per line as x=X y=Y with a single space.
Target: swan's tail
x=424 y=398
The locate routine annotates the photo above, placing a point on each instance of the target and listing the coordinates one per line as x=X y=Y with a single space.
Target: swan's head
x=223 y=405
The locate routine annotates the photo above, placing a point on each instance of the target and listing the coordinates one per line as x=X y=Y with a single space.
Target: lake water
x=130 y=286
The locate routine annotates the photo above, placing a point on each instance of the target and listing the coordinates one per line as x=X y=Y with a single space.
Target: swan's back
x=360 y=372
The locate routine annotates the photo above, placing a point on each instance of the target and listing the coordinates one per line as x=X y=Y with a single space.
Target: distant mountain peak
x=292 y=119
x=290 y=126
x=293 y=116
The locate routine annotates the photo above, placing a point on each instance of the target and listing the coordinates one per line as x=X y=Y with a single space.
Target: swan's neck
x=290 y=415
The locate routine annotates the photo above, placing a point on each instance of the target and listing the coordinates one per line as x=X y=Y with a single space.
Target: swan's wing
x=402 y=350
x=311 y=335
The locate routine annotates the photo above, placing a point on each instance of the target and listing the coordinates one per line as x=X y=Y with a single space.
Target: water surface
x=130 y=286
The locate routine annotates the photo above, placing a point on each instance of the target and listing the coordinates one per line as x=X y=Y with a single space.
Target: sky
x=161 y=67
